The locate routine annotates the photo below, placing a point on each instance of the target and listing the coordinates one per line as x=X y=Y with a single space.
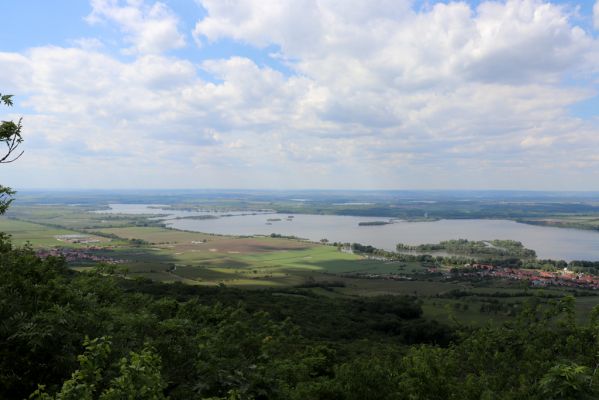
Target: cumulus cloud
x=378 y=95
x=390 y=44
x=148 y=28
x=596 y=15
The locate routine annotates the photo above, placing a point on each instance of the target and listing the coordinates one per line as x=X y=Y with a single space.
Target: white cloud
x=531 y=141
x=596 y=15
x=88 y=43
x=388 y=43
x=148 y=28
x=380 y=95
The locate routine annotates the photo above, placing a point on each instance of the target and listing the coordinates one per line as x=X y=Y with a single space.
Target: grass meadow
x=194 y=258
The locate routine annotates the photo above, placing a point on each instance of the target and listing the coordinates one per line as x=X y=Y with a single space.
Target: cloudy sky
x=353 y=94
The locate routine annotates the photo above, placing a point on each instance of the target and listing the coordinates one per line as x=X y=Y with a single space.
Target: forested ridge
x=68 y=335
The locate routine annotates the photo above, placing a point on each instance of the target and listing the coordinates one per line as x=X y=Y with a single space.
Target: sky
x=302 y=94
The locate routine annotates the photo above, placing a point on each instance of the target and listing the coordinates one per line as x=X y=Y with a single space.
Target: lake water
x=548 y=242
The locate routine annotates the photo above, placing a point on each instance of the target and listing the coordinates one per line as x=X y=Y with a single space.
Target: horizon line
x=312 y=190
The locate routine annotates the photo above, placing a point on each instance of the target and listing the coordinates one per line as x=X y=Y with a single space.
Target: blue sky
x=287 y=94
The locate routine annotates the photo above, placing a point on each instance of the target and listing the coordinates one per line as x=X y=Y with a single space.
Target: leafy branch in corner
x=10 y=135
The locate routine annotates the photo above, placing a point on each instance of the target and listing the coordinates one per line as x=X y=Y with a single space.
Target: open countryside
x=139 y=241
x=299 y=200
x=548 y=242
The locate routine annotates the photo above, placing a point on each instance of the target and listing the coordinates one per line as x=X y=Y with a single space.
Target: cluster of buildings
x=77 y=255
x=537 y=278
x=76 y=238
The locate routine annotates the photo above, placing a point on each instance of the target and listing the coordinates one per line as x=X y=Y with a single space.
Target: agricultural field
x=569 y=221
x=157 y=235
x=195 y=258
x=199 y=258
x=42 y=236
x=142 y=249
x=76 y=217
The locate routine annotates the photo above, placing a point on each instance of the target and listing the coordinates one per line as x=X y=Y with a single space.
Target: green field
x=193 y=258
x=39 y=236
x=76 y=217
x=241 y=261
x=156 y=235
x=199 y=258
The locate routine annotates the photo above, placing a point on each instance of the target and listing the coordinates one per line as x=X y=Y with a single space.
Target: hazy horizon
x=293 y=190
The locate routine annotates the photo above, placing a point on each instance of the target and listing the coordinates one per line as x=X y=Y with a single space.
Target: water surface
x=548 y=242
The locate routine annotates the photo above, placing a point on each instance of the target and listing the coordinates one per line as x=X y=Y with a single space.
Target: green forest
x=69 y=335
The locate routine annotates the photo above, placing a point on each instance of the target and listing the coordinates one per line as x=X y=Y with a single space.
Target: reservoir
x=549 y=242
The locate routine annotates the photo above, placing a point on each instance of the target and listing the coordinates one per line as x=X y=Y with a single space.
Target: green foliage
x=83 y=382
x=111 y=269
x=6 y=99
x=569 y=382
x=6 y=194
x=139 y=376
x=241 y=353
x=478 y=248
x=155 y=340
x=10 y=136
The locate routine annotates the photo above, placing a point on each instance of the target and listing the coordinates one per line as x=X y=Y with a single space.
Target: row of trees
x=492 y=248
x=508 y=253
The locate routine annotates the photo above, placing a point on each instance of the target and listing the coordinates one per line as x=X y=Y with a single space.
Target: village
x=537 y=278
x=78 y=255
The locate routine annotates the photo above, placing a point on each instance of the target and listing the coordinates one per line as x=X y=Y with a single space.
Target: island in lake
x=374 y=223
